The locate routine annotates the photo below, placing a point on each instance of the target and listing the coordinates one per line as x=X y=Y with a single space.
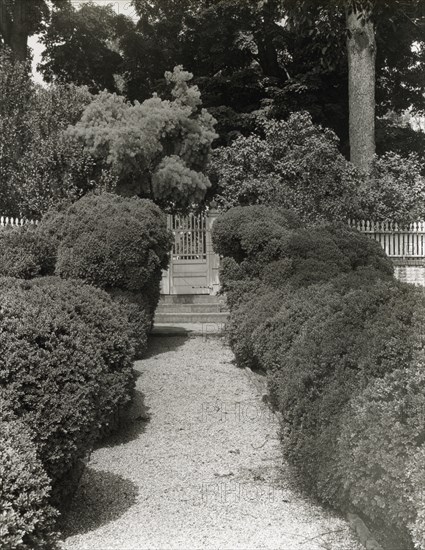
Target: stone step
x=190 y=299
x=191 y=317
x=207 y=330
x=191 y=308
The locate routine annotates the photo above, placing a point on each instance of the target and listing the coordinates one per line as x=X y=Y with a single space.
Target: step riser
x=190 y=308
x=190 y=299
x=163 y=318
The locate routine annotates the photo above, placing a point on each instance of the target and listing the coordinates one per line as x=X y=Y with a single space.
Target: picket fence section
x=190 y=234
x=6 y=221
x=398 y=241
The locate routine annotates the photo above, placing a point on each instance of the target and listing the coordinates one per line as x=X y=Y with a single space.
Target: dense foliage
x=395 y=191
x=296 y=164
x=26 y=517
x=275 y=56
x=71 y=332
x=114 y=243
x=341 y=341
x=25 y=253
x=59 y=143
x=39 y=164
x=157 y=149
x=80 y=46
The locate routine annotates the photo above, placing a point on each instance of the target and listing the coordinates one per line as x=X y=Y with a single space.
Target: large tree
x=273 y=56
x=81 y=46
x=361 y=54
x=395 y=76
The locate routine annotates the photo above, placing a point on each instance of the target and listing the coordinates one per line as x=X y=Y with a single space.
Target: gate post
x=168 y=273
x=213 y=260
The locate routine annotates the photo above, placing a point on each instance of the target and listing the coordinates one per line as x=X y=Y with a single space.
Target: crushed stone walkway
x=205 y=472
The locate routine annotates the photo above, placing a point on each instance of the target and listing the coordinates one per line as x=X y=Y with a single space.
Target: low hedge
x=257 y=231
x=27 y=520
x=110 y=242
x=118 y=244
x=341 y=341
x=66 y=368
x=137 y=310
x=381 y=451
x=24 y=253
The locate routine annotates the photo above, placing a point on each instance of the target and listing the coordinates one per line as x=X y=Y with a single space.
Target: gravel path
x=205 y=472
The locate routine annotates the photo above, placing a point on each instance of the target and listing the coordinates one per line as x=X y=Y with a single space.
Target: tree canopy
x=277 y=56
x=156 y=149
x=20 y=19
x=39 y=165
x=81 y=46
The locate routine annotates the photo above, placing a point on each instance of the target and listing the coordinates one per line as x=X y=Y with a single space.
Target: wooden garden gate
x=193 y=264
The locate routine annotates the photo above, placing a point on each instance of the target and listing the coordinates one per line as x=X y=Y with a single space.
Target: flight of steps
x=191 y=308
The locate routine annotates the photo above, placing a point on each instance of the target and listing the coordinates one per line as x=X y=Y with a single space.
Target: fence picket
x=396 y=241
x=15 y=222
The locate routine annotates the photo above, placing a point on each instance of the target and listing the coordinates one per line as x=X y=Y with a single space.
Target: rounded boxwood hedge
x=65 y=366
x=27 y=520
x=248 y=232
x=118 y=244
x=24 y=253
x=342 y=342
x=381 y=451
x=110 y=241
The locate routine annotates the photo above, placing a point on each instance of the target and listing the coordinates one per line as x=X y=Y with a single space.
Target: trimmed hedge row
x=66 y=366
x=340 y=339
x=118 y=244
x=24 y=253
x=77 y=299
x=27 y=520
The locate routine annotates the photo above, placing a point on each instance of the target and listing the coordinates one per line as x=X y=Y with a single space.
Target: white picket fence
x=397 y=241
x=6 y=221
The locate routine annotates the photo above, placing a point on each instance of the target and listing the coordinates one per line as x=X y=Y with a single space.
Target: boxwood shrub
x=110 y=241
x=137 y=310
x=242 y=323
x=65 y=366
x=118 y=244
x=27 y=520
x=248 y=232
x=24 y=253
x=381 y=451
x=322 y=368
x=342 y=342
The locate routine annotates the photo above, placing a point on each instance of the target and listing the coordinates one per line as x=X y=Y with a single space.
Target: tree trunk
x=361 y=48
x=13 y=28
x=267 y=53
x=19 y=33
x=19 y=46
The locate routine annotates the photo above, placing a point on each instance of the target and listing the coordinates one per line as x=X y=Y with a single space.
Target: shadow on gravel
x=101 y=497
x=163 y=343
x=131 y=426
